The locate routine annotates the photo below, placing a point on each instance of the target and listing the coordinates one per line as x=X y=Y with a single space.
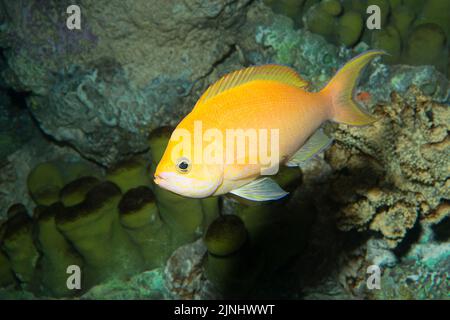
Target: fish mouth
x=183 y=186
x=159 y=179
x=163 y=180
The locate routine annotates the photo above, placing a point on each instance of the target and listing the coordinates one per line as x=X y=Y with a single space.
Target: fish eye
x=183 y=165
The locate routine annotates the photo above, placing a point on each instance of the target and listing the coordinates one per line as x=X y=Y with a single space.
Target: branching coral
x=395 y=171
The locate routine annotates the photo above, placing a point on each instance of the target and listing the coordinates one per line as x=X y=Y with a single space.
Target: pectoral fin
x=263 y=189
x=317 y=143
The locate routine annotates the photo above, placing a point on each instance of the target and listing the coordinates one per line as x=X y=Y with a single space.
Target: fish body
x=269 y=106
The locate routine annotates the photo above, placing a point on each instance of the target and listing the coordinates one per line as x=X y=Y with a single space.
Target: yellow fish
x=249 y=122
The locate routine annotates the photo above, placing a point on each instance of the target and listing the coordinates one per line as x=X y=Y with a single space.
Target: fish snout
x=159 y=178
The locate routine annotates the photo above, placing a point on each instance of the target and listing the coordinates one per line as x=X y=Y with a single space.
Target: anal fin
x=317 y=143
x=263 y=189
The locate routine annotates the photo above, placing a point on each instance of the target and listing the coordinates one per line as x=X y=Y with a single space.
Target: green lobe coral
x=75 y=192
x=388 y=39
x=93 y=227
x=140 y=218
x=405 y=28
x=44 y=183
x=225 y=235
x=18 y=244
x=6 y=273
x=88 y=222
x=57 y=254
x=426 y=45
x=129 y=174
x=229 y=257
x=350 y=27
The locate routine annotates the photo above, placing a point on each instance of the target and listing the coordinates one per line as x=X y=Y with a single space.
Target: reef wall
x=130 y=69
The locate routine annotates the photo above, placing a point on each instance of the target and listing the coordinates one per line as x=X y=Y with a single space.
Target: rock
x=146 y=285
x=16 y=124
x=184 y=276
x=129 y=69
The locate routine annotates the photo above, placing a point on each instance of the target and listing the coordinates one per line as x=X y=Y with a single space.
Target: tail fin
x=340 y=91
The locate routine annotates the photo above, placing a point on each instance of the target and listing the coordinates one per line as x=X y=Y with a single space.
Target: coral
x=44 y=183
x=225 y=272
x=435 y=11
x=405 y=28
x=129 y=174
x=385 y=9
x=290 y=8
x=388 y=221
x=398 y=167
x=229 y=256
x=225 y=235
x=211 y=209
x=332 y=7
x=140 y=218
x=319 y=20
x=94 y=229
x=76 y=169
x=57 y=254
x=6 y=273
x=402 y=19
x=350 y=26
x=249 y=242
x=432 y=37
x=388 y=39
x=316 y=60
x=439 y=213
x=109 y=235
x=18 y=244
x=75 y=192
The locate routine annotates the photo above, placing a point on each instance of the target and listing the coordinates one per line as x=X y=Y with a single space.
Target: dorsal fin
x=267 y=72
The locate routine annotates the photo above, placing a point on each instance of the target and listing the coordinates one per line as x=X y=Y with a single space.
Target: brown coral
x=394 y=171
